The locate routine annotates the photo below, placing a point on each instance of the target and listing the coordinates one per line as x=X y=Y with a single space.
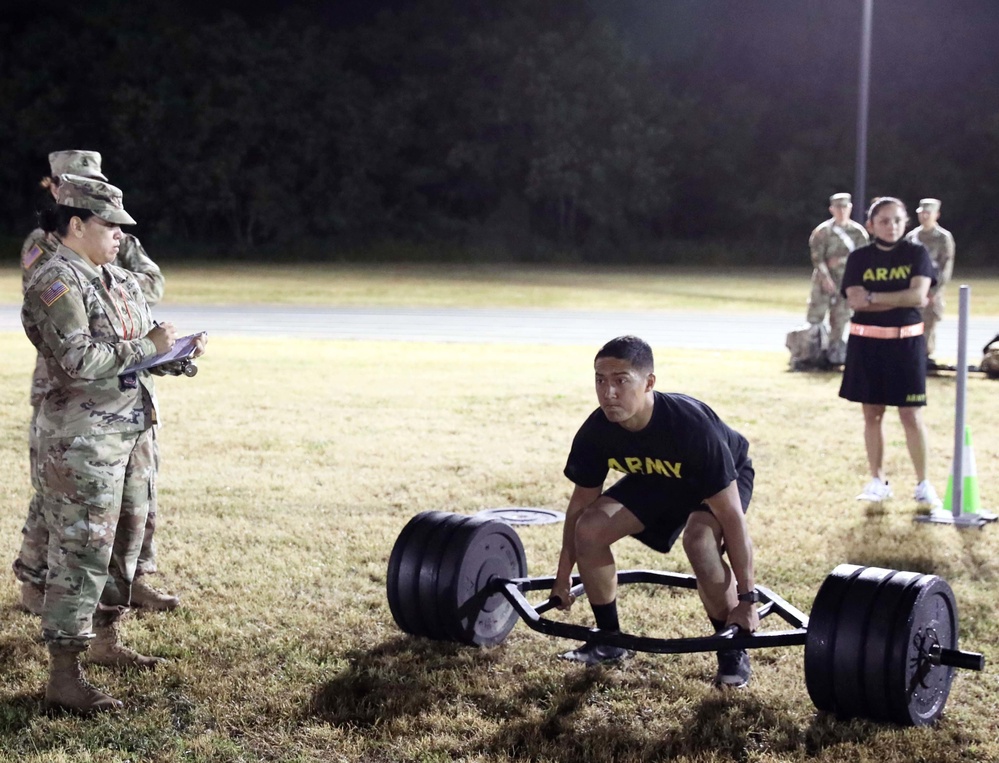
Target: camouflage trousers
x=819 y=304
x=30 y=565
x=932 y=315
x=95 y=494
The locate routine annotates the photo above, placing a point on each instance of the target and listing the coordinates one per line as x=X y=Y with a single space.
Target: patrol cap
x=840 y=200
x=83 y=163
x=103 y=199
x=928 y=205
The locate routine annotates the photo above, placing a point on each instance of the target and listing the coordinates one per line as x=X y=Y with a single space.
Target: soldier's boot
x=32 y=598
x=147 y=597
x=69 y=689
x=107 y=648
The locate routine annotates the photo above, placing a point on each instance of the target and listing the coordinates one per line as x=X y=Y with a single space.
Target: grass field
x=571 y=287
x=286 y=481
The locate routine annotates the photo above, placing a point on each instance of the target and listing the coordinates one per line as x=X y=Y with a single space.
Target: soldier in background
x=39 y=247
x=830 y=245
x=940 y=244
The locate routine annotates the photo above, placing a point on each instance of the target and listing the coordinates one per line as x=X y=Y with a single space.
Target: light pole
x=859 y=191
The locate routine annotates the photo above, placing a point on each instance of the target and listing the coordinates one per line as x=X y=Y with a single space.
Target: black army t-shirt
x=884 y=271
x=685 y=454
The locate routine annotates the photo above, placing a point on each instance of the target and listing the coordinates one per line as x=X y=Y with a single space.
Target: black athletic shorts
x=664 y=523
x=885 y=371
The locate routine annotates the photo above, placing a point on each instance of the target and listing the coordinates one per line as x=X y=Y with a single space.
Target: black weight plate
x=494 y=551
x=430 y=568
x=820 y=638
x=880 y=630
x=404 y=568
x=918 y=689
x=481 y=550
x=848 y=663
x=392 y=592
x=447 y=577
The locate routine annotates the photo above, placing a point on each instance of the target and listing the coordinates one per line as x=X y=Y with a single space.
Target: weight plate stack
x=439 y=571
x=868 y=645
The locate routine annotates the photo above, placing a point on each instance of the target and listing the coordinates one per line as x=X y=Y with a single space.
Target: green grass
x=288 y=473
x=569 y=287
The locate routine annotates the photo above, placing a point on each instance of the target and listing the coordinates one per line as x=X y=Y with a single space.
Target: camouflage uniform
x=830 y=245
x=38 y=248
x=940 y=244
x=95 y=454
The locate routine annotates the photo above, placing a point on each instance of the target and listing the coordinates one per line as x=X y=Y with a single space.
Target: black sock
x=606 y=616
x=717 y=624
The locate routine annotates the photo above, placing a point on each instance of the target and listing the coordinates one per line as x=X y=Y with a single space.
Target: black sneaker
x=733 y=669
x=597 y=654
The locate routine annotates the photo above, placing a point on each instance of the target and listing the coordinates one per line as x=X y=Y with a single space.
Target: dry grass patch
x=291 y=466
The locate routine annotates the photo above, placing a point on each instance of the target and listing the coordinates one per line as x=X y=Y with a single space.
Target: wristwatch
x=751 y=596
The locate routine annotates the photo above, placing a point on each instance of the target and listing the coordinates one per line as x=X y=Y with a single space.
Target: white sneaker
x=875 y=491
x=926 y=496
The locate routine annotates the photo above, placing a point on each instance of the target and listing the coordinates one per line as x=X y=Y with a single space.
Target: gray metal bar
x=863 y=98
x=728 y=638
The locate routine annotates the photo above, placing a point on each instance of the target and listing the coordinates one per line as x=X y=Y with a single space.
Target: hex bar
x=730 y=638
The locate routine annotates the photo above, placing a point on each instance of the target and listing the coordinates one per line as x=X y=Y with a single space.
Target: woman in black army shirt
x=886 y=285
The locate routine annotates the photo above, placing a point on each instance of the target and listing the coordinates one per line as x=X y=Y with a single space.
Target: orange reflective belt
x=886 y=332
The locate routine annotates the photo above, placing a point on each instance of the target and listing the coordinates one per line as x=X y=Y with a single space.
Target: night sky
x=762 y=99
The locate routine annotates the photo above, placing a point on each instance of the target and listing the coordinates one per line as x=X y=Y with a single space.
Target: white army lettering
x=638 y=465
x=888 y=274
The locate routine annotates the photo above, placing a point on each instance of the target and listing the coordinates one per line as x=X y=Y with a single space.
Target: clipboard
x=182 y=349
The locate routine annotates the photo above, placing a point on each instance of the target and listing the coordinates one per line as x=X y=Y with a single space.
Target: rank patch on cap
x=51 y=294
x=31 y=256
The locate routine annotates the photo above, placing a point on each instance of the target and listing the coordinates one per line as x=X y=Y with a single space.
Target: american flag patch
x=31 y=256
x=51 y=294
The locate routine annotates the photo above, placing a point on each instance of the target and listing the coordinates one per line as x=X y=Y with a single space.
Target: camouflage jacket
x=828 y=248
x=88 y=325
x=39 y=247
x=940 y=244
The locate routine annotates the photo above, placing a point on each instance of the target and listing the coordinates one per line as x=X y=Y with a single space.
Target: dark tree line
x=520 y=129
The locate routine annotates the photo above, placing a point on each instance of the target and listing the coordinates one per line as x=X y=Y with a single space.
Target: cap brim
x=117 y=216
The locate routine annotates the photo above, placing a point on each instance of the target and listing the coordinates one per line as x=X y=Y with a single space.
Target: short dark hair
x=636 y=351
x=884 y=201
x=56 y=217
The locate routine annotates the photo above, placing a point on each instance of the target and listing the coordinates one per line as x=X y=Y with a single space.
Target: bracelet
x=750 y=596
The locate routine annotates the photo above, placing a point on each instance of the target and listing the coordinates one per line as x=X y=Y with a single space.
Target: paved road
x=732 y=331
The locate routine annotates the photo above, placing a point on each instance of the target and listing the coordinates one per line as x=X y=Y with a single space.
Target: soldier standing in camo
x=830 y=245
x=940 y=244
x=39 y=247
x=90 y=322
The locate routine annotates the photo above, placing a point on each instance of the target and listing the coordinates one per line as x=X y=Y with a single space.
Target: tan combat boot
x=107 y=648
x=68 y=688
x=32 y=598
x=144 y=595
